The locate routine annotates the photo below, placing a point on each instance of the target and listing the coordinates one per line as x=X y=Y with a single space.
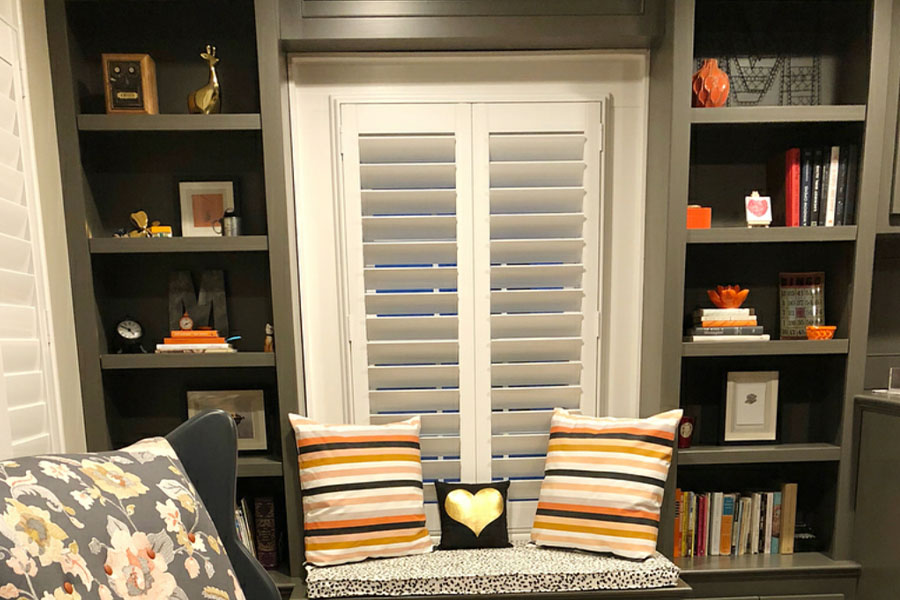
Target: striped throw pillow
x=362 y=490
x=603 y=483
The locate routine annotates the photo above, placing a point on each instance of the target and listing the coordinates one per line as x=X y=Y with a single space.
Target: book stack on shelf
x=725 y=325
x=256 y=530
x=720 y=524
x=198 y=341
x=815 y=186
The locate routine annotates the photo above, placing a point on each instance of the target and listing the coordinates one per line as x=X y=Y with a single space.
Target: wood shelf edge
x=747 y=454
x=764 y=564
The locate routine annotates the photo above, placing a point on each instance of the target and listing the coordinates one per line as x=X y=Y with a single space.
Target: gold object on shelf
x=207 y=100
x=475 y=512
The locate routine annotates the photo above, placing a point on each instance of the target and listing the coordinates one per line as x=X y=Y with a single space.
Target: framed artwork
x=246 y=407
x=202 y=204
x=751 y=406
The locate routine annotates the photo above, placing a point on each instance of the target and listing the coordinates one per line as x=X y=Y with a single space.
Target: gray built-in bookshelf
x=715 y=157
x=117 y=164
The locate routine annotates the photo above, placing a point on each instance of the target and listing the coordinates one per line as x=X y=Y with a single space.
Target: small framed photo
x=203 y=203
x=246 y=407
x=751 y=406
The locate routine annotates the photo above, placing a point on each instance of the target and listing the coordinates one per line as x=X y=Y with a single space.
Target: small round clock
x=186 y=322
x=129 y=334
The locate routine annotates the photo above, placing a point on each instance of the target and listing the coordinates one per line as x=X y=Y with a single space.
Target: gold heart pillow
x=473 y=515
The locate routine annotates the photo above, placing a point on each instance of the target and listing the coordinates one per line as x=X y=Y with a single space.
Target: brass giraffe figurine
x=207 y=100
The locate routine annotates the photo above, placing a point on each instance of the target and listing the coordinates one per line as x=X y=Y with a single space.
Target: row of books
x=256 y=530
x=720 y=524
x=194 y=341
x=815 y=186
x=725 y=325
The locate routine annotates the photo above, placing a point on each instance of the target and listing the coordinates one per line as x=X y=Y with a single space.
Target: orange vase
x=709 y=86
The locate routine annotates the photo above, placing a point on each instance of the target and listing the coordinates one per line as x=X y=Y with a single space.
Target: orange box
x=699 y=217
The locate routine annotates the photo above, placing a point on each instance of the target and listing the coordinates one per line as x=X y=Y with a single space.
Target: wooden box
x=129 y=84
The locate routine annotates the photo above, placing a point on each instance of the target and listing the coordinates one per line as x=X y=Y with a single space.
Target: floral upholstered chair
x=153 y=521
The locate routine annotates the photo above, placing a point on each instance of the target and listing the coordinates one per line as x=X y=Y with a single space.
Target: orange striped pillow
x=362 y=490
x=603 y=483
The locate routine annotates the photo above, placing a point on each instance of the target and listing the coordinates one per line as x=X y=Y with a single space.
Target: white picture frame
x=246 y=407
x=202 y=203
x=751 y=406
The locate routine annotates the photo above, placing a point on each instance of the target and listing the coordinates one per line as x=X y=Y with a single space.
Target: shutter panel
x=25 y=427
x=404 y=169
x=542 y=189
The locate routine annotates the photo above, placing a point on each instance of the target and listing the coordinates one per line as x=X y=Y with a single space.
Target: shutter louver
x=23 y=394
x=406 y=224
x=544 y=202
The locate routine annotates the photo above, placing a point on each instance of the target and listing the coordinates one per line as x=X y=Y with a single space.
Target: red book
x=784 y=187
x=701 y=525
x=679 y=515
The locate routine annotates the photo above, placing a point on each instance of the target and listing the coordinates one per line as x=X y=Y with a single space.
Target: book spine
x=816 y=188
x=727 y=323
x=715 y=524
x=756 y=499
x=770 y=514
x=727 y=338
x=191 y=341
x=194 y=333
x=788 y=517
x=776 y=521
x=677 y=551
x=746 y=520
x=736 y=526
x=823 y=183
x=806 y=173
x=266 y=539
x=792 y=187
x=701 y=520
x=761 y=525
x=727 y=523
x=841 y=202
x=685 y=523
x=730 y=330
x=852 y=183
x=834 y=165
x=692 y=527
x=724 y=313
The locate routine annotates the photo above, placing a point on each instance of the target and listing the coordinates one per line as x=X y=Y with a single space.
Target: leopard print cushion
x=524 y=568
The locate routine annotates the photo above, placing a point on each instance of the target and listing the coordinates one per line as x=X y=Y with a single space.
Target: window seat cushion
x=524 y=568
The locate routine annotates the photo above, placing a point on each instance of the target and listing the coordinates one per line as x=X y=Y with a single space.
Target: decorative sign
x=759 y=210
x=802 y=297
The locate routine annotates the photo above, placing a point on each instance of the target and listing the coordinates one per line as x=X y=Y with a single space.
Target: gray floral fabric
x=123 y=524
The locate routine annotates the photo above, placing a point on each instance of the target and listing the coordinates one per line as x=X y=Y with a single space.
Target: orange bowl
x=820 y=332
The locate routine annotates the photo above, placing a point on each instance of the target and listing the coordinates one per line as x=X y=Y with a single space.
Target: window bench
x=516 y=572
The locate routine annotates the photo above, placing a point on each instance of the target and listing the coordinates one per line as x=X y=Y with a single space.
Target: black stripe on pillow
x=571 y=514
x=660 y=483
x=364 y=528
x=363 y=485
x=650 y=439
x=351 y=445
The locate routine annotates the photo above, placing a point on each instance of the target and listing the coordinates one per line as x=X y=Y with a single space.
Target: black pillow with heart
x=473 y=515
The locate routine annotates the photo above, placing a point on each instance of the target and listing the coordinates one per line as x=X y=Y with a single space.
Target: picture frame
x=246 y=407
x=202 y=204
x=751 y=406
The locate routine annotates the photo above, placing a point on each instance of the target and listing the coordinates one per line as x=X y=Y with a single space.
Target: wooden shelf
x=759 y=564
x=779 y=114
x=282 y=580
x=733 y=455
x=235 y=122
x=769 y=348
x=187 y=361
x=244 y=243
x=258 y=466
x=744 y=235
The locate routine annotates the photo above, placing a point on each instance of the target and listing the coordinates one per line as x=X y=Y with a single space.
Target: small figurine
x=269 y=344
x=140 y=221
x=207 y=100
x=759 y=210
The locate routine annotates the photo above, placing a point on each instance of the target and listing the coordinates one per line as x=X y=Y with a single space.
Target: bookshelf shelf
x=779 y=114
x=761 y=564
x=246 y=243
x=258 y=466
x=769 y=348
x=745 y=235
x=186 y=361
x=233 y=122
x=723 y=455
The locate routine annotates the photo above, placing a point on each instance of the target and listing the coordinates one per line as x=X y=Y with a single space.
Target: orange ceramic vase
x=709 y=85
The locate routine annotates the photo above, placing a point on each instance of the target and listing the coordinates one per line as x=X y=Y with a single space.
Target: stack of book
x=725 y=325
x=196 y=341
x=815 y=186
x=257 y=530
x=720 y=524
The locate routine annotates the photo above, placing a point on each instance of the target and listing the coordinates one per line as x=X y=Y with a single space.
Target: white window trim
x=620 y=382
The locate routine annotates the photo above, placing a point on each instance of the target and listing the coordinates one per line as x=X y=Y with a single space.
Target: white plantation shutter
x=472 y=257
x=539 y=171
x=24 y=414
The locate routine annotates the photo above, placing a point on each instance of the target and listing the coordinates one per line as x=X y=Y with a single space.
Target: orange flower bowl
x=820 y=332
x=727 y=296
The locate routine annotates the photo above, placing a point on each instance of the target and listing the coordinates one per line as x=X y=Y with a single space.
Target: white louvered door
x=472 y=268
x=25 y=423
